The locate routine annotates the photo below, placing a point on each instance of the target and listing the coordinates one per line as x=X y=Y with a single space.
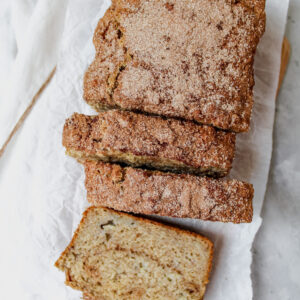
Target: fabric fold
x=38 y=46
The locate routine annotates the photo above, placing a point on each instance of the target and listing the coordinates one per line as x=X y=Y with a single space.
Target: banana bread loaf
x=181 y=58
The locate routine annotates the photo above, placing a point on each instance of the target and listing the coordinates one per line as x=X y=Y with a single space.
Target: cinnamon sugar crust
x=139 y=140
x=181 y=58
x=167 y=194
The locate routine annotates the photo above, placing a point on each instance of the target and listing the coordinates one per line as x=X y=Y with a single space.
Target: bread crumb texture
x=182 y=58
x=117 y=256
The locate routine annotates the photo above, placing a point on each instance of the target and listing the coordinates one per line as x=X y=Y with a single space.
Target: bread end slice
x=114 y=255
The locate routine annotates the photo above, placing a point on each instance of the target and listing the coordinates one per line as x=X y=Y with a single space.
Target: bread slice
x=179 y=58
x=168 y=194
x=149 y=141
x=118 y=256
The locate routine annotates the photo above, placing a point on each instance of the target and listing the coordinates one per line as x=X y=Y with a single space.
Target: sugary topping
x=151 y=137
x=174 y=195
x=189 y=59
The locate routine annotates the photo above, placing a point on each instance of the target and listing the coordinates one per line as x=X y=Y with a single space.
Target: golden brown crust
x=60 y=262
x=201 y=69
x=86 y=296
x=146 y=140
x=257 y=5
x=168 y=194
x=103 y=70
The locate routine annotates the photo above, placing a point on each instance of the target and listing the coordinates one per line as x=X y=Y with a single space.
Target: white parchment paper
x=42 y=190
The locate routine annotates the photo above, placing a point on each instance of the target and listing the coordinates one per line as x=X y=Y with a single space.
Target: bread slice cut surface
x=117 y=256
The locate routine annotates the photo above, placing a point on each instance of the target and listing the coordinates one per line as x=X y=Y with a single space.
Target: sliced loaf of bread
x=118 y=256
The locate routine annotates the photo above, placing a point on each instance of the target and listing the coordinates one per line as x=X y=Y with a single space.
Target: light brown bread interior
x=117 y=256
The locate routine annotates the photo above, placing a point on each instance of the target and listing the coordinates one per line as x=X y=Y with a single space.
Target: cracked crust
x=140 y=140
x=168 y=194
x=201 y=69
x=177 y=261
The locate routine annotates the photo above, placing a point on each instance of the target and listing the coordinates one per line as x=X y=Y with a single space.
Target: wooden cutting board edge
x=285 y=56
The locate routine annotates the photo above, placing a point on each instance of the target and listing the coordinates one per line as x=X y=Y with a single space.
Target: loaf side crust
x=138 y=140
x=168 y=194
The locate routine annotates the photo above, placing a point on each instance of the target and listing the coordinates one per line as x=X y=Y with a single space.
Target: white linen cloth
x=37 y=27
x=42 y=190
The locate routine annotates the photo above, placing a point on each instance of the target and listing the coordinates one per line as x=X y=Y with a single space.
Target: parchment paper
x=42 y=190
